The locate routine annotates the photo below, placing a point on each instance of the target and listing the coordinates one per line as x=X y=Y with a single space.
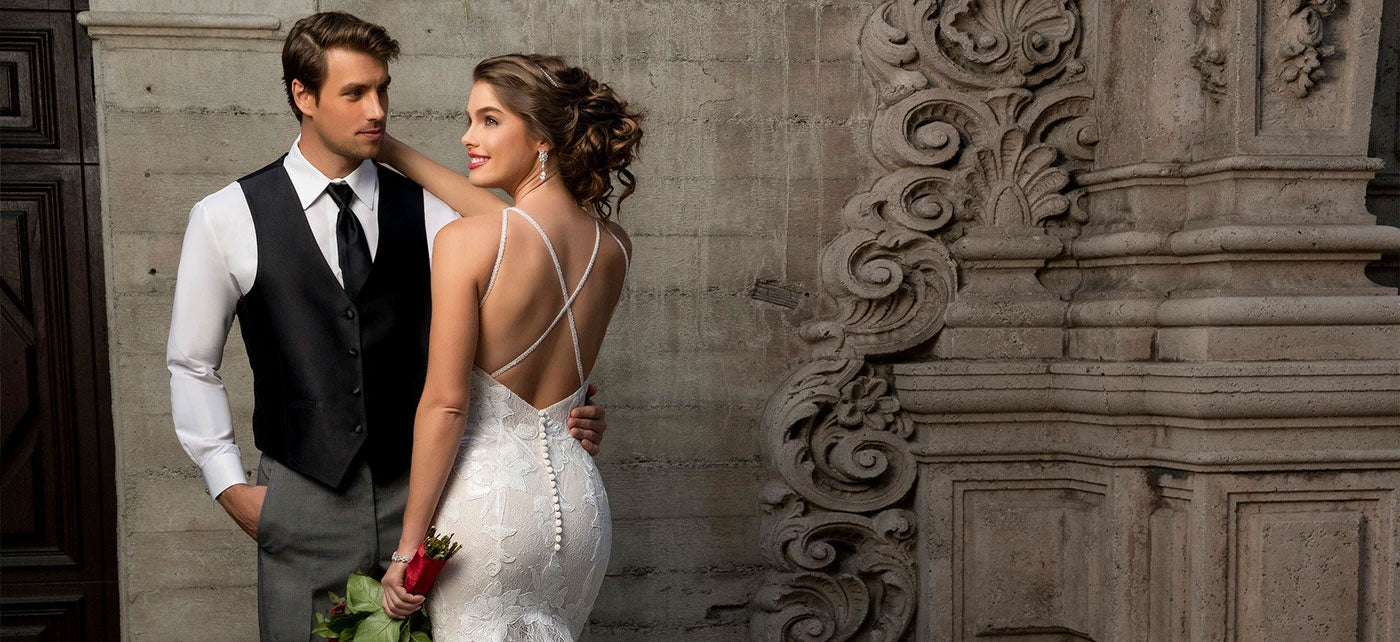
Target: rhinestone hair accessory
x=546 y=73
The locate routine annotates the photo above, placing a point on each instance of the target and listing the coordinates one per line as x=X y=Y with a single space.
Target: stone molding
x=1335 y=166
x=106 y=24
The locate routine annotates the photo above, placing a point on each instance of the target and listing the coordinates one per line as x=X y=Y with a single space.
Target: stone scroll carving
x=984 y=116
x=839 y=574
x=844 y=576
x=890 y=279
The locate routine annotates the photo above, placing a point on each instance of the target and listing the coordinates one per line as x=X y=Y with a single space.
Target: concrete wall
x=757 y=133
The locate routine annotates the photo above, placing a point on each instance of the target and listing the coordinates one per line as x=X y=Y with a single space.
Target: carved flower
x=864 y=403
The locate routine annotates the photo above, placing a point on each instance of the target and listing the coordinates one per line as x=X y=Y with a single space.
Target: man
x=324 y=257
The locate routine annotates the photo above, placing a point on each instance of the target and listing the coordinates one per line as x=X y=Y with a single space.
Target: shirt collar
x=310 y=183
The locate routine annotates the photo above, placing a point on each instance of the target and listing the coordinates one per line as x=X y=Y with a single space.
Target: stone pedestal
x=1104 y=361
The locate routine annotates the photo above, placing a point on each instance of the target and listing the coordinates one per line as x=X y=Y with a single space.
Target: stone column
x=1104 y=362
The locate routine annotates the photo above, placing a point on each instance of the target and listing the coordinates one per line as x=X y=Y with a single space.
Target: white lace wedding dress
x=527 y=504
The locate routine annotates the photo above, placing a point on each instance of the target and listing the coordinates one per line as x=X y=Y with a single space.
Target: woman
x=522 y=297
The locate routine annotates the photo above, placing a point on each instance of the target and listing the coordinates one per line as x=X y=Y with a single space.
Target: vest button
x=350 y=313
x=359 y=428
x=354 y=352
x=356 y=391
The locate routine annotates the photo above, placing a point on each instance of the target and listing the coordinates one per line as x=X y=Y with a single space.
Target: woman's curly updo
x=592 y=132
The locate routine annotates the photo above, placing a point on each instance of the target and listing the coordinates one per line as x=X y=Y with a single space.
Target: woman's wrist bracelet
x=395 y=557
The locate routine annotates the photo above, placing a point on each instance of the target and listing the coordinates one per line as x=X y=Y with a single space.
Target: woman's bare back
x=525 y=294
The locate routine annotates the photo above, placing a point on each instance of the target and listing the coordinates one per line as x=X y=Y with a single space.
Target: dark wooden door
x=57 y=495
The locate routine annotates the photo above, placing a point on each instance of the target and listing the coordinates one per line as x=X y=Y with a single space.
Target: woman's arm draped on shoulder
x=451 y=187
x=452 y=342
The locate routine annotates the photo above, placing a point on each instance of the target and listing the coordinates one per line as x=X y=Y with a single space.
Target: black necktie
x=350 y=241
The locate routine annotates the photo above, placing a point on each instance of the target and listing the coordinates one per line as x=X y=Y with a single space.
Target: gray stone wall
x=758 y=126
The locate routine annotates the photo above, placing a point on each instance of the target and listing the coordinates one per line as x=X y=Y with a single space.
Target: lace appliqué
x=509 y=583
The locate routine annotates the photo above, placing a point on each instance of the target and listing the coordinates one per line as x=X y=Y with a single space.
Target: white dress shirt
x=218 y=263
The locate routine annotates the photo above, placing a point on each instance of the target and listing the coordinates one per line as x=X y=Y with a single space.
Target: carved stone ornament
x=890 y=279
x=984 y=114
x=840 y=441
x=973 y=44
x=838 y=438
x=1303 y=51
x=842 y=576
x=1208 y=56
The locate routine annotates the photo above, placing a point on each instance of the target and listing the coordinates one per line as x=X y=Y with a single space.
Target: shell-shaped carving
x=971 y=44
x=1013 y=42
x=1016 y=185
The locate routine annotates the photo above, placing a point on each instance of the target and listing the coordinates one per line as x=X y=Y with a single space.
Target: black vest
x=331 y=376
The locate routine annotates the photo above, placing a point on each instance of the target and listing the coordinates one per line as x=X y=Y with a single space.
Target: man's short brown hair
x=304 y=53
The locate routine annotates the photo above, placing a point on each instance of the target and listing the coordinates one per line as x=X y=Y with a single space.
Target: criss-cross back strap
x=626 y=260
x=500 y=252
x=568 y=309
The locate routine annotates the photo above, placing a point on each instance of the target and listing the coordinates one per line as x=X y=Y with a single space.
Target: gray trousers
x=310 y=537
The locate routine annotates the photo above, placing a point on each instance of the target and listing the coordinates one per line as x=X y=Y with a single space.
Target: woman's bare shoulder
x=475 y=233
x=621 y=234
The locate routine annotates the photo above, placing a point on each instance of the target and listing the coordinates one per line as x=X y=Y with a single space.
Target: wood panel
x=58 y=521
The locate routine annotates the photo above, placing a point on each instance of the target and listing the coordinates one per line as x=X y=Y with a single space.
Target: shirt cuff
x=223 y=470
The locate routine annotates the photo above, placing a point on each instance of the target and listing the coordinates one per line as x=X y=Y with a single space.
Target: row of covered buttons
x=545 y=420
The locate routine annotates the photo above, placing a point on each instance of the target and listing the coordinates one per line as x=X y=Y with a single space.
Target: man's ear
x=306 y=101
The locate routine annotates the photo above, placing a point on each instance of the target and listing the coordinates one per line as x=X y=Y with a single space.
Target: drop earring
x=544 y=156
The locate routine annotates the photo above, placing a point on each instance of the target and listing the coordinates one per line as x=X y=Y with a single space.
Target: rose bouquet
x=360 y=616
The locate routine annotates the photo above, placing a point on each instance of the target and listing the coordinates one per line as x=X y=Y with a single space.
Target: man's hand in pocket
x=244 y=505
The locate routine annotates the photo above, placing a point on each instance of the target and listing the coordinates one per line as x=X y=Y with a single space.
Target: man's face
x=352 y=109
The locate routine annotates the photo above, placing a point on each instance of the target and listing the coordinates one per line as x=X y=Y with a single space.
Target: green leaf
x=345 y=621
x=363 y=594
x=403 y=631
x=378 y=627
x=419 y=636
x=334 y=598
x=341 y=626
